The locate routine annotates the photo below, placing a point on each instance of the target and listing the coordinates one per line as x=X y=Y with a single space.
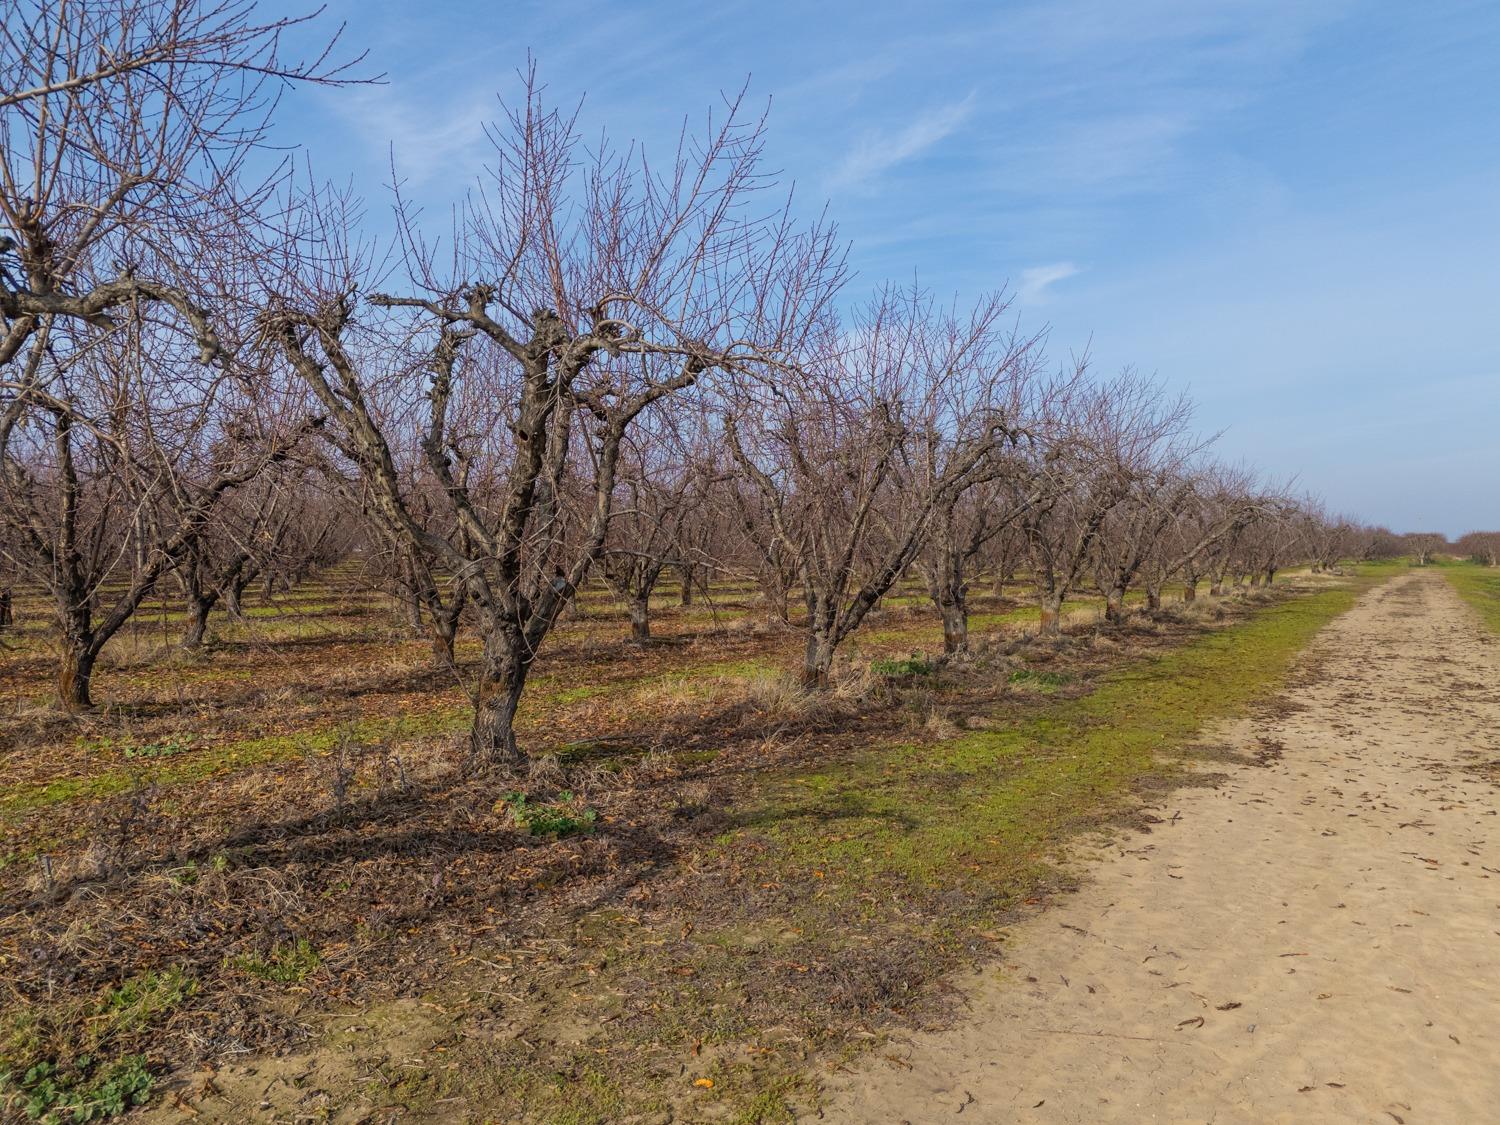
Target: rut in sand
x=1318 y=939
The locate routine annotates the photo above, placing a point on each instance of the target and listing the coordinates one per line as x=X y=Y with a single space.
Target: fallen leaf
x=706 y=1083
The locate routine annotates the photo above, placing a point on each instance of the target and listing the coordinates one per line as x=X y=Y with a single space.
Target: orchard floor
x=1316 y=939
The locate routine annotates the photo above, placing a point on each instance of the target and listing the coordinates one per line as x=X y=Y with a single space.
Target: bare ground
x=1318 y=939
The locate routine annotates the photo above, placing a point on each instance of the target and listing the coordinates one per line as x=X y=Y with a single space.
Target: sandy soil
x=1318 y=939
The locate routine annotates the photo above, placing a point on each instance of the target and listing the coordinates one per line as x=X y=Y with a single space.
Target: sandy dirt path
x=1317 y=939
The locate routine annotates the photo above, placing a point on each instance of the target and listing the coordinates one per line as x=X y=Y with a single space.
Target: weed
x=558 y=819
x=82 y=1090
x=912 y=665
x=142 y=1000
x=55 y=1073
x=285 y=964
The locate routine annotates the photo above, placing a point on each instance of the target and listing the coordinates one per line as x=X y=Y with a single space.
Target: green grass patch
x=1039 y=679
x=899 y=669
x=284 y=964
x=990 y=806
x=1480 y=587
x=243 y=754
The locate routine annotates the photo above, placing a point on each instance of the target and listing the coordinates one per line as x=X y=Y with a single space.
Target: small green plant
x=899 y=669
x=82 y=1090
x=167 y=748
x=140 y=1000
x=137 y=751
x=285 y=964
x=558 y=819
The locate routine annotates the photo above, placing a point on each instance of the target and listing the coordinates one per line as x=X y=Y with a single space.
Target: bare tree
x=1102 y=434
x=1482 y=547
x=112 y=466
x=1422 y=545
x=854 y=452
x=604 y=287
x=1216 y=506
x=126 y=134
x=662 y=485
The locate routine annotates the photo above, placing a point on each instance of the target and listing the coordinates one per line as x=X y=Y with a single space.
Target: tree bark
x=199 y=609
x=234 y=592
x=75 y=675
x=442 y=643
x=1153 y=598
x=686 y=597
x=955 y=623
x=502 y=681
x=1051 y=625
x=817 y=663
x=640 y=617
x=1190 y=590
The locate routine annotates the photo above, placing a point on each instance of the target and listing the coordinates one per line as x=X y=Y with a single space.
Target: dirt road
x=1316 y=940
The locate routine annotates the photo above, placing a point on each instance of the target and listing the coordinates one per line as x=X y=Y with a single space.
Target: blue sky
x=1291 y=209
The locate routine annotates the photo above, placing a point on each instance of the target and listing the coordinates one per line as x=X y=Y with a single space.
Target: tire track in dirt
x=1317 y=939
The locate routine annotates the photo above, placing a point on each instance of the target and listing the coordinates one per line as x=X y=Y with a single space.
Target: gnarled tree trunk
x=502 y=681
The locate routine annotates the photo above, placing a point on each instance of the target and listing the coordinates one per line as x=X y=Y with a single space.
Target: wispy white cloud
x=432 y=138
x=1038 y=279
x=879 y=152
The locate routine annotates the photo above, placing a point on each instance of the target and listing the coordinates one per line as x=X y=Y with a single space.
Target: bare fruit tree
x=854 y=451
x=584 y=289
x=126 y=415
x=1100 y=439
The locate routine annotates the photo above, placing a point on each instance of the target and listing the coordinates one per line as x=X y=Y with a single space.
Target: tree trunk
x=1153 y=598
x=687 y=586
x=1255 y=580
x=502 y=680
x=1270 y=576
x=955 y=623
x=640 y=617
x=443 y=635
x=6 y=620
x=198 y=613
x=1114 y=605
x=232 y=595
x=74 y=677
x=817 y=664
x=1051 y=615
